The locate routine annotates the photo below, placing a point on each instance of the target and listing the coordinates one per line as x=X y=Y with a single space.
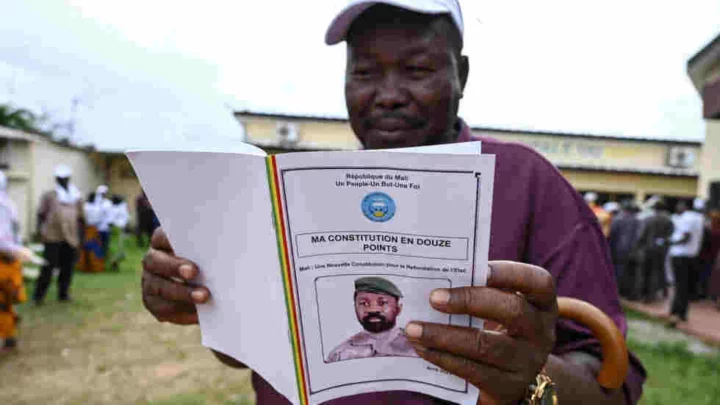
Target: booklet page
x=369 y=236
x=215 y=208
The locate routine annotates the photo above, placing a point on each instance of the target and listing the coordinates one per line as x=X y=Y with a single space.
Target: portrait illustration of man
x=377 y=306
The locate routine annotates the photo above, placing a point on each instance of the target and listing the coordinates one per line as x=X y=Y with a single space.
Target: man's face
x=376 y=312
x=402 y=86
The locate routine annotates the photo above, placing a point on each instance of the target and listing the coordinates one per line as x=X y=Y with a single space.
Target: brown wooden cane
x=615 y=365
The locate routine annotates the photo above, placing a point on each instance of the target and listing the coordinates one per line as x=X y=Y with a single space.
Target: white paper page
x=436 y=198
x=460 y=148
x=216 y=211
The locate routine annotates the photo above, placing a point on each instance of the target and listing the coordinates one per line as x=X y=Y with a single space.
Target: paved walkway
x=703 y=318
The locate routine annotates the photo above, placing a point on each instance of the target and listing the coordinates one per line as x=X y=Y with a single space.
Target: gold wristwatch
x=542 y=392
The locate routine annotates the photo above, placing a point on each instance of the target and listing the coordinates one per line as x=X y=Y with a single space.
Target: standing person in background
x=12 y=255
x=612 y=208
x=654 y=242
x=603 y=216
x=94 y=251
x=119 y=215
x=624 y=233
x=714 y=254
x=145 y=218
x=707 y=254
x=60 y=221
x=103 y=207
x=686 y=241
x=119 y=218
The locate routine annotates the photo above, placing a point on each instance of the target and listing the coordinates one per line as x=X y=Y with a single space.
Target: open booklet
x=316 y=261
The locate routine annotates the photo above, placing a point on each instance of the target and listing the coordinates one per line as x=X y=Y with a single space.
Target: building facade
x=704 y=70
x=614 y=167
x=29 y=161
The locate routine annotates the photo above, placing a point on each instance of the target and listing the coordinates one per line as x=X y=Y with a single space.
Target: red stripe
x=290 y=280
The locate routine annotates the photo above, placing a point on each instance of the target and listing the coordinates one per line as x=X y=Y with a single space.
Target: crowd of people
x=75 y=234
x=660 y=251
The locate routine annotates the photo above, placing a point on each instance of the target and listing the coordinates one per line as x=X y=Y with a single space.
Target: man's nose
x=391 y=94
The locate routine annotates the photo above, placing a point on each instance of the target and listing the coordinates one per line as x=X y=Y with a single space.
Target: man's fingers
x=491 y=348
x=508 y=386
x=535 y=283
x=511 y=310
x=167 y=265
x=160 y=241
x=180 y=313
x=173 y=290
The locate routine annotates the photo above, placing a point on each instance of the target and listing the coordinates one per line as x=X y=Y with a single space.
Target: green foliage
x=21 y=119
x=677 y=376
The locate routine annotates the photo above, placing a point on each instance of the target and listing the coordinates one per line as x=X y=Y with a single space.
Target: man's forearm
x=574 y=377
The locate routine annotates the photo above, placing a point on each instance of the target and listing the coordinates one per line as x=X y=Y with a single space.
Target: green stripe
x=286 y=287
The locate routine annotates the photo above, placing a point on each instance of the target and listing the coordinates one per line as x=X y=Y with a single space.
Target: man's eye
x=361 y=72
x=419 y=70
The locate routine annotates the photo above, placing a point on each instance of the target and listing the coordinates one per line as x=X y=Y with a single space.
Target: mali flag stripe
x=283 y=253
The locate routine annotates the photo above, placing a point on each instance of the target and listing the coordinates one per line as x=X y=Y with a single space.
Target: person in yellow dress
x=12 y=255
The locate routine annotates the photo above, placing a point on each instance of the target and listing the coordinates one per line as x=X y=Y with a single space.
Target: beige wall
x=313 y=134
x=639 y=185
x=710 y=162
x=32 y=161
x=122 y=180
x=617 y=154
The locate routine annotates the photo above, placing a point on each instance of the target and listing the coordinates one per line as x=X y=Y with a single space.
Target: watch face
x=549 y=396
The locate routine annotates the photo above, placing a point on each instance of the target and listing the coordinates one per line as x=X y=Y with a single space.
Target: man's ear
x=464 y=71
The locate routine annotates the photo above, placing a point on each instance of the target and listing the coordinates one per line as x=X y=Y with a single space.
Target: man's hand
x=166 y=288
x=518 y=296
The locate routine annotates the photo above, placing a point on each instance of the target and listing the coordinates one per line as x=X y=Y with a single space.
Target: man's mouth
x=391 y=125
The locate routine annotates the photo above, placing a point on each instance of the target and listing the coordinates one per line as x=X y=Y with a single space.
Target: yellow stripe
x=292 y=319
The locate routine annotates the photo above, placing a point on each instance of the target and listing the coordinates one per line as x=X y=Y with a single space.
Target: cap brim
x=338 y=29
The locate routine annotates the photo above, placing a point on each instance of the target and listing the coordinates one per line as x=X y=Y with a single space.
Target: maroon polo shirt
x=537 y=218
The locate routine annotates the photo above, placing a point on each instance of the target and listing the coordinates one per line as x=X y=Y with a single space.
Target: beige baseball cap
x=340 y=25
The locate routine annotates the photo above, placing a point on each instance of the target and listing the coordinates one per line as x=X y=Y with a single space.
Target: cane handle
x=615 y=365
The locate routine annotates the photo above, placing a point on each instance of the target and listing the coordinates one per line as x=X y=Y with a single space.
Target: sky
x=152 y=74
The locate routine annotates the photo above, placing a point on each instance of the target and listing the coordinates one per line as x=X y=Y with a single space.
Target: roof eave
x=700 y=63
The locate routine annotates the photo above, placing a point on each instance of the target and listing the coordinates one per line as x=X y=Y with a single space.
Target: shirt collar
x=465 y=132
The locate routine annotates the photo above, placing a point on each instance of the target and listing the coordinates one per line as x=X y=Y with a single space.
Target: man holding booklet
x=404 y=80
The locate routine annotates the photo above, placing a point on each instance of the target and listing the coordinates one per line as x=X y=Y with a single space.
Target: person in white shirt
x=98 y=214
x=119 y=215
x=118 y=218
x=686 y=242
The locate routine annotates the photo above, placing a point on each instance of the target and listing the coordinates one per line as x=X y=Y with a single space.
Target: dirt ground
x=126 y=358
x=104 y=348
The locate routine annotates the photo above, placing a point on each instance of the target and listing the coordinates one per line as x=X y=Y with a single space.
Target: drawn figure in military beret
x=377 y=306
